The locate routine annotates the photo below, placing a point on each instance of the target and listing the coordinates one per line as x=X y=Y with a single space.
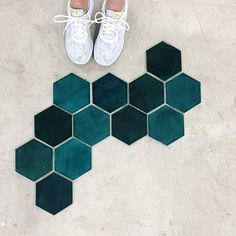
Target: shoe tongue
x=114 y=14
x=76 y=12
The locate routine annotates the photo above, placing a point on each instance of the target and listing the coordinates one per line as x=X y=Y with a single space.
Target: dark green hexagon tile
x=183 y=92
x=71 y=126
x=53 y=126
x=109 y=93
x=146 y=93
x=73 y=159
x=54 y=193
x=33 y=160
x=166 y=125
x=91 y=125
x=163 y=60
x=129 y=125
x=71 y=93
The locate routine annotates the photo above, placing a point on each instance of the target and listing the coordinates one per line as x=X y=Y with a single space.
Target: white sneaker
x=110 y=40
x=78 y=40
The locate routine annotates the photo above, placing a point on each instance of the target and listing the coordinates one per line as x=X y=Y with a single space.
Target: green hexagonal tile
x=183 y=92
x=91 y=125
x=146 y=93
x=166 y=125
x=73 y=159
x=71 y=93
x=129 y=125
x=53 y=126
x=163 y=61
x=33 y=160
x=109 y=92
x=54 y=193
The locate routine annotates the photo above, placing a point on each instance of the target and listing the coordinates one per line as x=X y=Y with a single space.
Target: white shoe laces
x=79 y=25
x=111 y=26
x=79 y=31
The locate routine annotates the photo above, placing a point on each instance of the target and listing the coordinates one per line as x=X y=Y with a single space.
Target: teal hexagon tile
x=166 y=125
x=129 y=125
x=91 y=125
x=73 y=124
x=109 y=92
x=183 y=92
x=146 y=93
x=53 y=126
x=73 y=159
x=163 y=61
x=33 y=160
x=71 y=93
x=54 y=193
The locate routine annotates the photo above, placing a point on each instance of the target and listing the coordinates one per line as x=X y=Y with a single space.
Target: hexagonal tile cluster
x=61 y=150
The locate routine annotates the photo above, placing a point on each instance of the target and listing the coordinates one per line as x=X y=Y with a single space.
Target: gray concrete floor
x=147 y=189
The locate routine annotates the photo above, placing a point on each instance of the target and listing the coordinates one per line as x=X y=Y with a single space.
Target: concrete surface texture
x=147 y=189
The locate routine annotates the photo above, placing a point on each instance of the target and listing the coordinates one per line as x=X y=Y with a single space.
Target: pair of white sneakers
x=78 y=40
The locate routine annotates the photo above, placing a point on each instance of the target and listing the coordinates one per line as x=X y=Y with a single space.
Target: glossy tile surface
x=91 y=125
x=166 y=125
x=163 y=60
x=146 y=93
x=73 y=159
x=33 y=160
x=129 y=125
x=53 y=125
x=54 y=193
x=183 y=92
x=110 y=92
x=71 y=93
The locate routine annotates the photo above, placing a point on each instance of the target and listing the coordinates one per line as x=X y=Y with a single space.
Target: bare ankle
x=79 y=4
x=115 y=5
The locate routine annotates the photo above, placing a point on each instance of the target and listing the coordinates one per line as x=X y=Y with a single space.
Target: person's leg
x=79 y=4
x=78 y=40
x=110 y=40
x=115 y=5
